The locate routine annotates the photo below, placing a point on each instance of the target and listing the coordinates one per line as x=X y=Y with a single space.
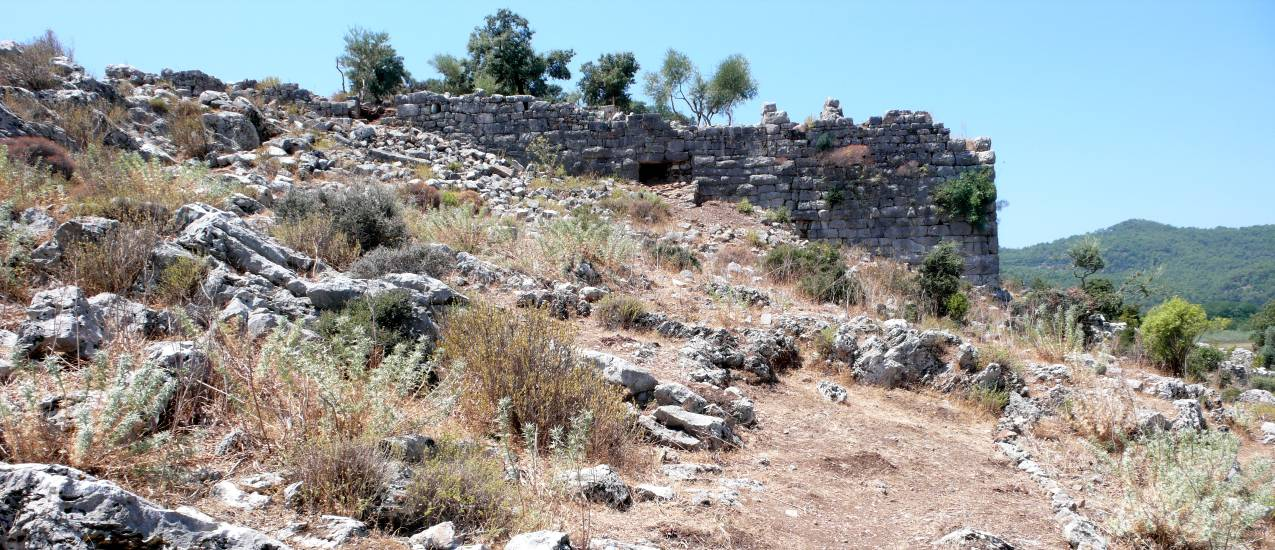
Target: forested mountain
x=1230 y=270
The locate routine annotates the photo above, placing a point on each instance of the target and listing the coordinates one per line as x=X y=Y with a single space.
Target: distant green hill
x=1229 y=270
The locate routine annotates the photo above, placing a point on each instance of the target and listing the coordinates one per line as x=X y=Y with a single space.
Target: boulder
x=232 y=131
x=636 y=380
x=1190 y=415
x=673 y=393
x=60 y=321
x=600 y=484
x=438 y=537
x=84 y=229
x=52 y=506
x=713 y=432
x=832 y=392
x=1256 y=395
x=663 y=435
x=540 y=540
x=225 y=236
x=971 y=539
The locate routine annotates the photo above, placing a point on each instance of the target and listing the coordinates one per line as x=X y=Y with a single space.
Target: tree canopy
x=679 y=82
x=502 y=60
x=374 y=69
x=607 y=81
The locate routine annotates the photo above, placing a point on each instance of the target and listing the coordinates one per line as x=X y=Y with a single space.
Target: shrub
x=430 y=260
x=825 y=340
x=744 y=206
x=462 y=484
x=422 y=195
x=990 y=400
x=112 y=264
x=178 y=281
x=642 y=206
x=817 y=268
x=388 y=319
x=345 y=477
x=834 y=197
x=527 y=358
x=847 y=156
x=546 y=156
x=16 y=268
x=186 y=129
x=462 y=228
x=1263 y=383
x=673 y=256
x=616 y=311
x=369 y=215
x=1170 y=331
x=777 y=215
x=1267 y=352
x=316 y=235
x=583 y=237
x=453 y=198
x=40 y=152
x=31 y=67
x=1182 y=490
x=823 y=142
x=1202 y=361
x=967 y=197
x=940 y=276
x=126 y=186
x=957 y=305
x=1108 y=418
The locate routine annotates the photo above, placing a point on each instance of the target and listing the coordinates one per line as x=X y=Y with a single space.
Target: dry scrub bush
x=39 y=152
x=422 y=195
x=847 y=156
x=344 y=477
x=673 y=256
x=586 y=237
x=112 y=264
x=23 y=185
x=529 y=359
x=462 y=228
x=186 y=129
x=1108 y=417
x=641 y=206
x=31 y=67
x=462 y=484
x=112 y=179
x=89 y=124
x=414 y=258
x=16 y=268
x=1183 y=490
x=326 y=390
x=316 y=236
x=617 y=311
x=178 y=282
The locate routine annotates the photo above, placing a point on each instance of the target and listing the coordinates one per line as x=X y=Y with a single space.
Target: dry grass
x=316 y=236
x=89 y=124
x=1108 y=417
x=529 y=359
x=847 y=156
x=31 y=68
x=186 y=129
x=619 y=311
x=113 y=264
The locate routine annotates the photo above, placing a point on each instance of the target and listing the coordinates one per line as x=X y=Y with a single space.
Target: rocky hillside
x=240 y=317
x=1220 y=267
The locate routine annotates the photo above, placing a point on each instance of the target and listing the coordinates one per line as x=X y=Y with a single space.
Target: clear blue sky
x=1098 y=111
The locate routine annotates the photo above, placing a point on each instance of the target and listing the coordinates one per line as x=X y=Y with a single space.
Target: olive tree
x=372 y=66
x=1086 y=259
x=607 y=81
x=679 y=82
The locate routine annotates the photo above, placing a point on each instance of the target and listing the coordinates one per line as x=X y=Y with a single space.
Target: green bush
x=818 y=269
x=991 y=400
x=1203 y=360
x=967 y=197
x=462 y=484
x=834 y=198
x=1170 y=331
x=416 y=258
x=1183 y=490
x=744 y=206
x=1263 y=383
x=1267 y=351
x=940 y=276
x=388 y=319
x=823 y=142
x=369 y=215
x=777 y=215
x=673 y=256
x=957 y=305
x=620 y=311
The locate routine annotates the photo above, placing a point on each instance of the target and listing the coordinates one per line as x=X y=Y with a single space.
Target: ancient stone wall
x=864 y=184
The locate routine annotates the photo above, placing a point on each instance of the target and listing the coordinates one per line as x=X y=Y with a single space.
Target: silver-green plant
x=1187 y=490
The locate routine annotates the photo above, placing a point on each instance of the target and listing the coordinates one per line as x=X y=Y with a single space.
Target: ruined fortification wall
x=864 y=184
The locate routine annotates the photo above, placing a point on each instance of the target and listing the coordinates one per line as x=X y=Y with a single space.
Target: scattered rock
x=51 y=506
x=599 y=484
x=972 y=539
x=438 y=537
x=832 y=392
x=540 y=540
x=231 y=495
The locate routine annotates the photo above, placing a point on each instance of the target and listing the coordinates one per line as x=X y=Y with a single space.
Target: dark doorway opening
x=654 y=172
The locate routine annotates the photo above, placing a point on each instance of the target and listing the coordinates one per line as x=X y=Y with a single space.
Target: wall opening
x=654 y=172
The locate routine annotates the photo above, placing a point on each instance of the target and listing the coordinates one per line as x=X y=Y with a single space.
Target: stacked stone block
x=867 y=184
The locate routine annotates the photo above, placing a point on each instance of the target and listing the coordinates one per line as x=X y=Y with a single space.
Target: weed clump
x=818 y=269
x=431 y=260
x=673 y=256
x=528 y=359
x=616 y=311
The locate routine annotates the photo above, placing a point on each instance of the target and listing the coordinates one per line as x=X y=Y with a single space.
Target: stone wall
x=864 y=184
